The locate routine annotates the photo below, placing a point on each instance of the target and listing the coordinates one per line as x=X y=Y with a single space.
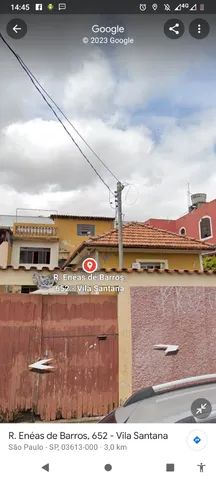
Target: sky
x=148 y=110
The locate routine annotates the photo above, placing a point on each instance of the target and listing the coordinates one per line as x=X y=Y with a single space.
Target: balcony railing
x=34 y=230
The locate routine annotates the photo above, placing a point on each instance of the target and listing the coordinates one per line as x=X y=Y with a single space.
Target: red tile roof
x=140 y=235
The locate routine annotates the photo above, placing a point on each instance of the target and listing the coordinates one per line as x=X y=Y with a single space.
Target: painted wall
x=164 y=224
x=185 y=261
x=4 y=254
x=179 y=315
x=67 y=232
x=15 y=254
x=190 y=222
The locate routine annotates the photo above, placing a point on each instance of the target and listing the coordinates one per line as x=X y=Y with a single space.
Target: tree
x=209 y=263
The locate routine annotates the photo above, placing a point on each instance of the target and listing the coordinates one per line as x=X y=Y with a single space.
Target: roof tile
x=137 y=234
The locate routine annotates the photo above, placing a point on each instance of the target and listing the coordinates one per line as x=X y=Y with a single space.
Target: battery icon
x=202 y=7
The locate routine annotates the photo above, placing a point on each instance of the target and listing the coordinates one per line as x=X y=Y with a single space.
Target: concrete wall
x=179 y=315
x=15 y=254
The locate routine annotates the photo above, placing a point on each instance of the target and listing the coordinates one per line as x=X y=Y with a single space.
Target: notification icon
x=89 y=265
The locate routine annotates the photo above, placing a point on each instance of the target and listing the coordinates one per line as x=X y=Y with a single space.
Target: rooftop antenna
x=188 y=196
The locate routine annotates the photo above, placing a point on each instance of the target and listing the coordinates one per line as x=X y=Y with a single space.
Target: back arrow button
x=16 y=28
x=46 y=467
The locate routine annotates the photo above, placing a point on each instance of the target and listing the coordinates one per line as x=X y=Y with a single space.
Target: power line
x=54 y=112
x=120 y=186
x=111 y=203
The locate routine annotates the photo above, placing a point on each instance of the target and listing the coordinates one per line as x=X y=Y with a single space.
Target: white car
x=170 y=403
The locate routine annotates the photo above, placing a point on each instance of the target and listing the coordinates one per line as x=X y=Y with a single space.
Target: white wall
x=15 y=255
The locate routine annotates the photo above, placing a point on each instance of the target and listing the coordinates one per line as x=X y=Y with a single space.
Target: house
x=74 y=229
x=199 y=222
x=144 y=247
x=41 y=241
x=33 y=242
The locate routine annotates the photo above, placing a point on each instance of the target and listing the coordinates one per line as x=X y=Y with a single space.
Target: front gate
x=80 y=334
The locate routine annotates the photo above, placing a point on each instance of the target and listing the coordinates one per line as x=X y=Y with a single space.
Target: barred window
x=85 y=230
x=147 y=265
x=33 y=255
x=205 y=227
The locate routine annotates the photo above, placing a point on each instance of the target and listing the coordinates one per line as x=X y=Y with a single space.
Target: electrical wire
x=130 y=185
x=67 y=119
x=111 y=203
x=54 y=112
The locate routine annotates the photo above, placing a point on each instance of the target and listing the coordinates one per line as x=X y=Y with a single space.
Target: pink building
x=198 y=223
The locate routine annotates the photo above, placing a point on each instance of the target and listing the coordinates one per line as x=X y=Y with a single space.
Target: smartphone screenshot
x=107 y=239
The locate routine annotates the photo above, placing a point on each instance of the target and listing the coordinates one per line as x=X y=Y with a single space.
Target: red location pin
x=89 y=265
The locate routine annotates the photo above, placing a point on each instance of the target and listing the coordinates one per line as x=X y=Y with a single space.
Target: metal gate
x=80 y=334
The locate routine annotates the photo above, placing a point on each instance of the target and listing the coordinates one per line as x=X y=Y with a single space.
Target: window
x=85 y=230
x=205 y=227
x=182 y=231
x=61 y=262
x=35 y=255
x=28 y=289
x=157 y=265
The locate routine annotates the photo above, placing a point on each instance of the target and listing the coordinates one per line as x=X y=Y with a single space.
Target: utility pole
x=118 y=202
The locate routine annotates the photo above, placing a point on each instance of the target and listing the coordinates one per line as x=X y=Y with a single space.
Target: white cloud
x=38 y=153
x=101 y=96
x=91 y=88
